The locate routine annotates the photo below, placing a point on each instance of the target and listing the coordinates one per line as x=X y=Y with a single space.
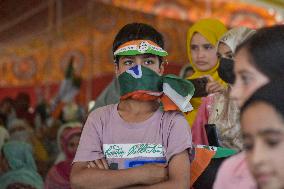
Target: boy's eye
x=148 y=62
x=128 y=62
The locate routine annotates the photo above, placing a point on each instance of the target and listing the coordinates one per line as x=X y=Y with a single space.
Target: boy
x=134 y=144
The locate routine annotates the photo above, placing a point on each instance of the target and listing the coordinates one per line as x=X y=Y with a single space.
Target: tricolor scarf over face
x=142 y=83
x=212 y=30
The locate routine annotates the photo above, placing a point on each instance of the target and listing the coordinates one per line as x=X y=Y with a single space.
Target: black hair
x=137 y=31
x=266 y=50
x=271 y=93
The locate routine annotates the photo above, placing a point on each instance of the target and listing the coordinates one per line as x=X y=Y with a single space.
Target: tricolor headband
x=137 y=47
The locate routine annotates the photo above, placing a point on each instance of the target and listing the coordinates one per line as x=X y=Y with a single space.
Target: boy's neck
x=137 y=111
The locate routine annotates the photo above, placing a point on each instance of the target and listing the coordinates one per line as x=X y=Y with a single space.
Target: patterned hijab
x=212 y=30
x=236 y=36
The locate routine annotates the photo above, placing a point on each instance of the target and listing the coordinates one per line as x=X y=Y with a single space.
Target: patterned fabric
x=137 y=47
x=218 y=109
x=224 y=113
x=236 y=36
x=202 y=157
x=144 y=84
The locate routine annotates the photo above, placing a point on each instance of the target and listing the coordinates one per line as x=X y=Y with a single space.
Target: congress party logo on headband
x=143 y=47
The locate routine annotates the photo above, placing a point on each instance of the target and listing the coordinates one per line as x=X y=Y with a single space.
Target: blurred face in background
x=203 y=53
x=73 y=143
x=248 y=78
x=263 y=133
x=20 y=133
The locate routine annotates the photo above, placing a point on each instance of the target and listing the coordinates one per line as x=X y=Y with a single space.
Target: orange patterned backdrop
x=41 y=61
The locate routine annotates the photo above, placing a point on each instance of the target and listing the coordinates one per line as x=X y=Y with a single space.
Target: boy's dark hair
x=137 y=31
x=266 y=50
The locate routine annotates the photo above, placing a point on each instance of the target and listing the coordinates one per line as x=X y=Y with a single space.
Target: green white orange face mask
x=142 y=83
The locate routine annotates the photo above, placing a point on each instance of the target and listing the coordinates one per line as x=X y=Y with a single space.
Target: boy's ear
x=116 y=68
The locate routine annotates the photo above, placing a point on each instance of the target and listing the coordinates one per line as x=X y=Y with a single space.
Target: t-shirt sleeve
x=178 y=137
x=90 y=145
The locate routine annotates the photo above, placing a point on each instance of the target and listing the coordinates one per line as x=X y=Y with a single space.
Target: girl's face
x=248 y=78
x=203 y=53
x=263 y=133
x=148 y=60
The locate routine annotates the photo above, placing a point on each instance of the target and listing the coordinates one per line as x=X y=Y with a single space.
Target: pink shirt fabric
x=199 y=135
x=155 y=140
x=234 y=174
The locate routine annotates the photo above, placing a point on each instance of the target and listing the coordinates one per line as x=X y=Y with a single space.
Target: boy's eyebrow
x=128 y=57
x=149 y=56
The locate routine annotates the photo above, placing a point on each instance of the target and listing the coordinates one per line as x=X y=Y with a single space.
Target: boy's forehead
x=139 y=56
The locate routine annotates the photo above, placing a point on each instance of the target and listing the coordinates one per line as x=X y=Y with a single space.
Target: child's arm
x=179 y=174
x=92 y=178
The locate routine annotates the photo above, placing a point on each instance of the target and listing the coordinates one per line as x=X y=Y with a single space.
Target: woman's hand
x=213 y=86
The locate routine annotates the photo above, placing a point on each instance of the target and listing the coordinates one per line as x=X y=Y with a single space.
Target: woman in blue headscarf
x=17 y=166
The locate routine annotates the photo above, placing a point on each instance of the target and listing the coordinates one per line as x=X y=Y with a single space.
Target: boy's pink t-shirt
x=125 y=145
